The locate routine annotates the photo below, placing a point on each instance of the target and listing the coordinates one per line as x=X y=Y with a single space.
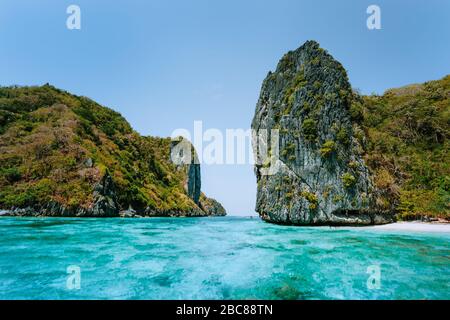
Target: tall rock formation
x=185 y=158
x=315 y=174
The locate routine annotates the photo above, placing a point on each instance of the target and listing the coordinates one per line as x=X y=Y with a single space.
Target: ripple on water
x=220 y=258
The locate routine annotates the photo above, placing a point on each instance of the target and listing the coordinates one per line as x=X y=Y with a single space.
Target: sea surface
x=216 y=258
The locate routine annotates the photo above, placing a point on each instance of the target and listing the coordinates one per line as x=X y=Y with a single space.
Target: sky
x=165 y=64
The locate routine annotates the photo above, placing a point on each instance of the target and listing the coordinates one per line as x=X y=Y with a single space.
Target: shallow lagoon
x=216 y=258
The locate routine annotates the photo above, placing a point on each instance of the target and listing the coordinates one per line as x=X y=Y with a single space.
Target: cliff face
x=318 y=175
x=64 y=155
x=184 y=156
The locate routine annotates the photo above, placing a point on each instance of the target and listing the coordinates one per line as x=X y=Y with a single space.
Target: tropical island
x=343 y=158
x=65 y=155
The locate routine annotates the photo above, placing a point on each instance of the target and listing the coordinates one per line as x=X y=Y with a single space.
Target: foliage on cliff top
x=408 y=148
x=55 y=146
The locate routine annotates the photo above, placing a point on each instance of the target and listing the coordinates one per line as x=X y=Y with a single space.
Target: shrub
x=348 y=180
x=353 y=165
x=306 y=107
x=309 y=129
x=286 y=62
x=343 y=137
x=317 y=85
x=289 y=93
x=327 y=148
x=383 y=179
x=311 y=198
x=11 y=174
x=356 y=112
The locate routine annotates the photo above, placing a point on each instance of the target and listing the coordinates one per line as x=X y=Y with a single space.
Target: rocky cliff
x=315 y=174
x=185 y=158
x=65 y=155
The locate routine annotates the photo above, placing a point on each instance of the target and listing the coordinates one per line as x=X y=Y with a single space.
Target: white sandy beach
x=415 y=226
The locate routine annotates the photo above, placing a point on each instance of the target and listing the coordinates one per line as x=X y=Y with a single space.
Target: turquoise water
x=216 y=258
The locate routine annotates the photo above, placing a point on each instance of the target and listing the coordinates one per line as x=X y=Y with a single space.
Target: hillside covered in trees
x=408 y=149
x=62 y=154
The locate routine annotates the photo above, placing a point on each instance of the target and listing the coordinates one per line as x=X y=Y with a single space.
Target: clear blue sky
x=164 y=64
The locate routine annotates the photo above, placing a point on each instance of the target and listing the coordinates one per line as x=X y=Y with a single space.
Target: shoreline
x=413 y=226
x=416 y=226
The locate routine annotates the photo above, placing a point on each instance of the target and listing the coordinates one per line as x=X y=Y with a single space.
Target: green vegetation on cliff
x=56 y=147
x=320 y=178
x=408 y=150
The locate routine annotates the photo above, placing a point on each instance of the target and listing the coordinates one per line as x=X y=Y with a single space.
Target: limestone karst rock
x=315 y=174
x=185 y=158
